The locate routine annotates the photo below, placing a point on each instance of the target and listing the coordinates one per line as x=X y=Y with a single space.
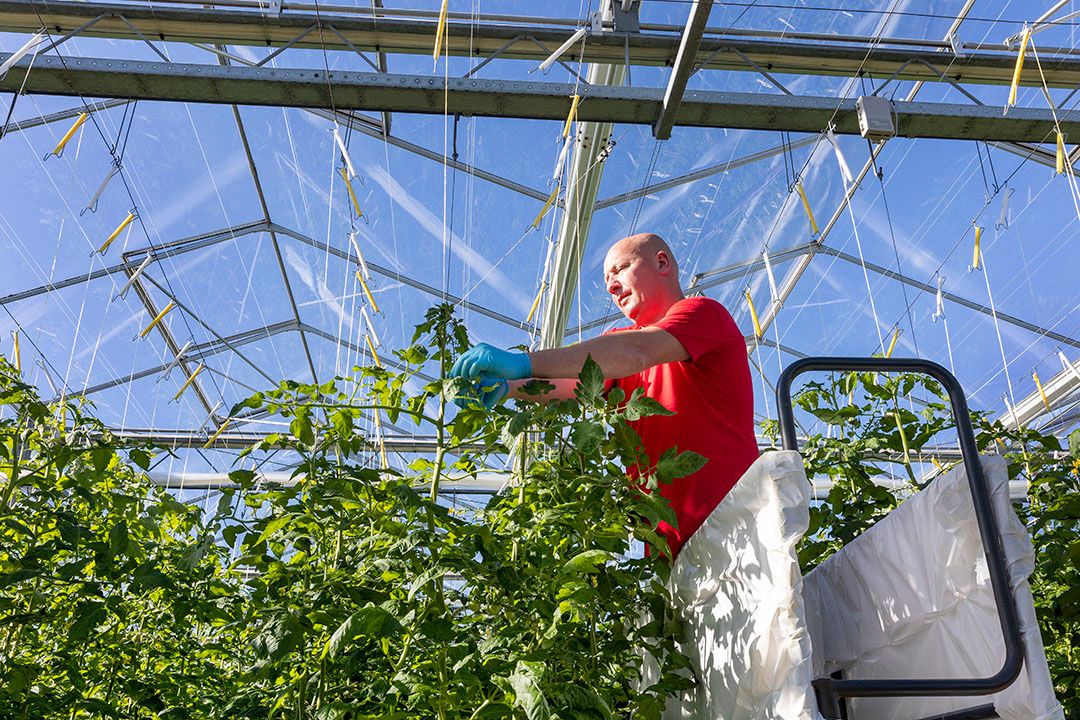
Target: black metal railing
x=830 y=691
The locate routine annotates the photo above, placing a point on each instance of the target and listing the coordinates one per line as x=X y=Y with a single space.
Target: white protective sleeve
x=738 y=587
x=911 y=597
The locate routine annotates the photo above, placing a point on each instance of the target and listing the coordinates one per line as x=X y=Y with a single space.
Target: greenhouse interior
x=472 y=360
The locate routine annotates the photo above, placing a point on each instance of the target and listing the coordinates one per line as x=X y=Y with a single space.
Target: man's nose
x=613 y=286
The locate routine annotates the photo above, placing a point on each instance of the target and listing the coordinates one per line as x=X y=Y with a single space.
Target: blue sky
x=186 y=170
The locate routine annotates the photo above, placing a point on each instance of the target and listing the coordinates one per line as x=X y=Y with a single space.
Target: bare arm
x=617 y=354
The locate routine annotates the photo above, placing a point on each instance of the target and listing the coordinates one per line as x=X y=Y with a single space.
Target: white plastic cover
x=738 y=587
x=911 y=597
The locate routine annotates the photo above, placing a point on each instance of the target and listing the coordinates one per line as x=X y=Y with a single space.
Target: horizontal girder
x=525 y=41
x=144 y=80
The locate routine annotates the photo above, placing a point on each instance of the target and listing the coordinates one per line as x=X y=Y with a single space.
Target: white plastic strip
x=939 y=301
x=134 y=276
x=92 y=205
x=845 y=169
x=546 y=65
x=31 y=44
x=1003 y=216
x=344 y=153
x=1068 y=365
x=359 y=255
x=562 y=158
x=370 y=325
x=176 y=361
x=769 y=274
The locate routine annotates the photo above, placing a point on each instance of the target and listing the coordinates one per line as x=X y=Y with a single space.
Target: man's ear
x=663 y=262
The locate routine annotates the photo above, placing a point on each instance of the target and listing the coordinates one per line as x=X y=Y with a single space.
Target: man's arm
x=618 y=354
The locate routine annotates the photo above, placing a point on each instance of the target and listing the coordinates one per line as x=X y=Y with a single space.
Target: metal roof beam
x=849 y=57
x=951 y=297
x=196 y=352
x=133 y=258
x=97 y=77
x=682 y=68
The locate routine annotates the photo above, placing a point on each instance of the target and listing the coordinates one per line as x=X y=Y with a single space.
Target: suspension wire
x=896 y=255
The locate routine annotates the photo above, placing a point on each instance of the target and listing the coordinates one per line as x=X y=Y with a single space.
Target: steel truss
x=533 y=39
x=146 y=80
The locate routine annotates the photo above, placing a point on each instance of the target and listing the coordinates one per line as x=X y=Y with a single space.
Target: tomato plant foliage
x=354 y=590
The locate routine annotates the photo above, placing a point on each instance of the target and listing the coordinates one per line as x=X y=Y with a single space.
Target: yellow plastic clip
x=116 y=233
x=157 y=319
x=753 y=315
x=212 y=438
x=352 y=193
x=371 y=349
x=976 y=256
x=1019 y=66
x=187 y=383
x=937 y=464
x=15 y=351
x=367 y=291
x=536 y=302
x=440 y=31
x=547 y=206
x=806 y=207
x=892 y=345
x=1042 y=392
x=59 y=149
x=1061 y=154
x=572 y=115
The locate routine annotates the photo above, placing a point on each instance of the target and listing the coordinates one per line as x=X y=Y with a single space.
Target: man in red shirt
x=687 y=353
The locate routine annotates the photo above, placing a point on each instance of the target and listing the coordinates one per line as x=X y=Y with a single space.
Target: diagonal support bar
x=682 y=69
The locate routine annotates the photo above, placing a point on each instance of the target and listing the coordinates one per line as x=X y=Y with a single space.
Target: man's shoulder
x=699 y=306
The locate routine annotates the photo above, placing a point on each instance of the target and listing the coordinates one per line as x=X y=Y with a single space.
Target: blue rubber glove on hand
x=487 y=361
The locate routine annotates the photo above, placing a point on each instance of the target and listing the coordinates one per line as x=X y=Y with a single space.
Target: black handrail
x=830 y=690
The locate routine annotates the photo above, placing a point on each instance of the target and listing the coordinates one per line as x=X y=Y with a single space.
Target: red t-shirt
x=713 y=401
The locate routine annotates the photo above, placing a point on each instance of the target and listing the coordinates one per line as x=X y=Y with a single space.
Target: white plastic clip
x=546 y=65
x=176 y=361
x=31 y=44
x=1068 y=365
x=134 y=276
x=939 y=302
x=1003 y=216
x=771 y=276
x=845 y=169
x=344 y=153
x=92 y=205
x=562 y=158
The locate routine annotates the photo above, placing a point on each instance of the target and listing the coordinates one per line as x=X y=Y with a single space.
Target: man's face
x=633 y=280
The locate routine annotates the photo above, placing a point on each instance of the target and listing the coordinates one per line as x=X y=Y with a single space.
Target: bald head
x=642 y=277
x=645 y=245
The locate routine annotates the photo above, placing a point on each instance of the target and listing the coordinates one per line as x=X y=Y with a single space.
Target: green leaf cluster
x=354 y=590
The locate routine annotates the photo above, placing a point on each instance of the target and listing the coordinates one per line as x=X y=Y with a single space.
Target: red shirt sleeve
x=700 y=325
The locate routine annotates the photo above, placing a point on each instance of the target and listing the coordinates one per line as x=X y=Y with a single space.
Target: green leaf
x=587 y=436
x=88 y=615
x=590 y=382
x=118 y=538
x=1074 y=443
x=524 y=685
x=672 y=466
x=587 y=562
x=369 y=621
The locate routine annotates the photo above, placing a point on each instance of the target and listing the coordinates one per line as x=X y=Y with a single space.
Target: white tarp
x=738 y=587
x=911 y=597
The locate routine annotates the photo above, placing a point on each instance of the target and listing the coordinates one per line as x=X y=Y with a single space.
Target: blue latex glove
x=488 y=391
x=487 y=361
